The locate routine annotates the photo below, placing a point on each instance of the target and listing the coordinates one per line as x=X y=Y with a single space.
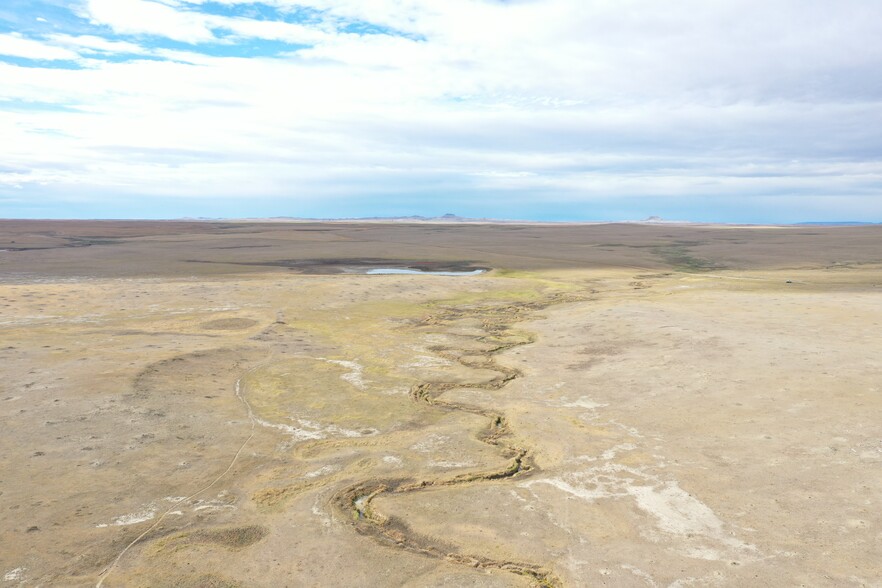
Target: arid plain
x=207 y=404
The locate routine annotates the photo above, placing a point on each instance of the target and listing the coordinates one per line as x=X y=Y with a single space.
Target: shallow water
x=401 y=270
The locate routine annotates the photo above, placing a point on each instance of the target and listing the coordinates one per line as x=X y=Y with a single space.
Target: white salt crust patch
x=673 y=511
x=145 y=514
x=14 y=575
x=354 y=376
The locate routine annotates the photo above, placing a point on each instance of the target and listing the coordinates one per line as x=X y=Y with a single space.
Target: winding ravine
x=355 y=502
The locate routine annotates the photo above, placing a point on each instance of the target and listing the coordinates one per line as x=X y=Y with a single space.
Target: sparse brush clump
x=205 y=581
x=229 y=537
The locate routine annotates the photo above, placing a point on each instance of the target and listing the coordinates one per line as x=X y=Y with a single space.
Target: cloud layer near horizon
x=743 y=111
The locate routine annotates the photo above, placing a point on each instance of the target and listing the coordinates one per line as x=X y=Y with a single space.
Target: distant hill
x=448 y=218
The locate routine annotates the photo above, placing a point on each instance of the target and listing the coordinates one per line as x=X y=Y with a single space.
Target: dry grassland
x=228 y=404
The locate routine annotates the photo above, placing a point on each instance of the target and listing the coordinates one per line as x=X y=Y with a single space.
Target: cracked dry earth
x=583 y=427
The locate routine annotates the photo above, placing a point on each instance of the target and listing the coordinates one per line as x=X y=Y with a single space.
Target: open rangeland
x=212 y=404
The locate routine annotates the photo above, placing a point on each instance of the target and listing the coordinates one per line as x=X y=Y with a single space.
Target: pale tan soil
x=613 y=406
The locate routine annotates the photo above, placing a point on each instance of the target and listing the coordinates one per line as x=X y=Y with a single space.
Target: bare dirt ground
x=232 y=404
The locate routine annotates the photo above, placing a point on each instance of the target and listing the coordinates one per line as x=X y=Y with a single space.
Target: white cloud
x=136 y=17
x=93 y=44
x=13 y=44
x=270 y=30
x=579 y=99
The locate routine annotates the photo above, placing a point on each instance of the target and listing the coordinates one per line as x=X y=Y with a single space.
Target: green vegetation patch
x=681 y=258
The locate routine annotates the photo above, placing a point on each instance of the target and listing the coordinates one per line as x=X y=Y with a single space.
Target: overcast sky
x=733 y=111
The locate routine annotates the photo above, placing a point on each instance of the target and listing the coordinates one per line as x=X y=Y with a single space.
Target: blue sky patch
x=35 y=106
x=554 y=109
x=39 y=17
x=264 y=12
x=41 y=63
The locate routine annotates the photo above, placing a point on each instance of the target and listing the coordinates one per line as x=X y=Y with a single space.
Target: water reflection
x=407 y=270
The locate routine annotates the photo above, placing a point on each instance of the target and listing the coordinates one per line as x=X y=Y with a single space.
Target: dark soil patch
x=229 y=324
x=348 y=265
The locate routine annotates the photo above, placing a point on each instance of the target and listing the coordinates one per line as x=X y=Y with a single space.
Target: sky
x=756 y=111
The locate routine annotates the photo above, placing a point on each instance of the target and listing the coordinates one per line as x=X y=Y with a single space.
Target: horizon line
x=445 y=219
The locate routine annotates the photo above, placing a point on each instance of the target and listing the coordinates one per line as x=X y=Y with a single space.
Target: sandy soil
x=209 y=404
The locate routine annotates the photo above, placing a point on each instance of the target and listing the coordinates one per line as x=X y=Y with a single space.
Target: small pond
x=407 y=270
